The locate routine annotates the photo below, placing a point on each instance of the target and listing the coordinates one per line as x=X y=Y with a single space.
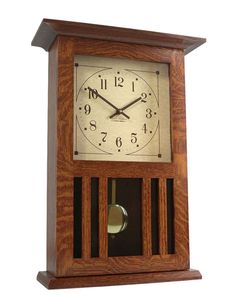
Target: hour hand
x=108 y=102
x=119 y=112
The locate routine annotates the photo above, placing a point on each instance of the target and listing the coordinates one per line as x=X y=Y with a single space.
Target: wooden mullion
x=103 y=239
x=163 y=217
x=146 y=217
x=86 y=218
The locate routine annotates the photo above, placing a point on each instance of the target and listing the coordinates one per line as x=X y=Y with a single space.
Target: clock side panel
x=179 y=151
x=64 y=170
x=52 y=160
x=65 y=173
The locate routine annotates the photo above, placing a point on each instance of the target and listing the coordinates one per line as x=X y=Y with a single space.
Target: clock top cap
x=49 y=29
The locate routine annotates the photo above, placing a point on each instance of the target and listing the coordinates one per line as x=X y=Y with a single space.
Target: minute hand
x=125 y=107
x=108 y=102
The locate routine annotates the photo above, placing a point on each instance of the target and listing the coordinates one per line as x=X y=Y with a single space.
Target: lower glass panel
x=94 y=217
x=124 y=217
x=77 y=217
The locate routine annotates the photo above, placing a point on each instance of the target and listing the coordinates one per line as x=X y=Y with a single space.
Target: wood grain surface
x=50 y=29
x=146 y=217
x=61 y=204
x=52 y=282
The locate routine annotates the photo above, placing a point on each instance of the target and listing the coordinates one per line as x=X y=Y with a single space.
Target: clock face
x=121 y=110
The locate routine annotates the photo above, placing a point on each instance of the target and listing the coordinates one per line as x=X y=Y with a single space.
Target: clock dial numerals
x=144 y=97
x=119 y=82
x=148 y=113
x=103 y=83
x=134 y=138
x=119 y=142
x=133 y=87
x=118 y=111
x=93 y=93
x=87 y=109
x=93 y=125
x=144 y=128
x=104 y=136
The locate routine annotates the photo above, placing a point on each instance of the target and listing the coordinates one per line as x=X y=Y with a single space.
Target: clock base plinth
x=51 y=282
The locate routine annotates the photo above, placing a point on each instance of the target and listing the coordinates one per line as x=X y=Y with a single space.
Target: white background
x=211 y=107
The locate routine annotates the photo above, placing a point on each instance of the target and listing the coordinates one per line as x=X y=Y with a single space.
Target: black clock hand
x=131 y=103
x=120 y=111
x=108 y=102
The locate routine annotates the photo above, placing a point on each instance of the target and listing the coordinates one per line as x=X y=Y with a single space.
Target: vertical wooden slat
x=86 y=218
x=52 y=158
x=170 y=215
x=94 y=217
x=155 y=215
x=103 y=242
x=146 y=217
x=163 y=217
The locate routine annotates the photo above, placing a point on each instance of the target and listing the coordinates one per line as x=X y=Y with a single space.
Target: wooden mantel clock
x=117 y=203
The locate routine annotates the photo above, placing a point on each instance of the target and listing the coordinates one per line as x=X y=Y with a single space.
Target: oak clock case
x=117 y=202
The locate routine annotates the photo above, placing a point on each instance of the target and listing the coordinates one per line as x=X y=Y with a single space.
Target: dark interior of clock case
x=128 y=195
x=128 y=242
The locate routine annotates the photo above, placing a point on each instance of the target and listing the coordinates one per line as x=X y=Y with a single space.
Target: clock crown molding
x=49 y=29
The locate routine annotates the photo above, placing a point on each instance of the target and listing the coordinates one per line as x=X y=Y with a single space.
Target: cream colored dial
x=117 y=113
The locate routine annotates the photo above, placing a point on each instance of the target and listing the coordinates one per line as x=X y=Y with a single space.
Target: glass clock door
x=121 y=110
